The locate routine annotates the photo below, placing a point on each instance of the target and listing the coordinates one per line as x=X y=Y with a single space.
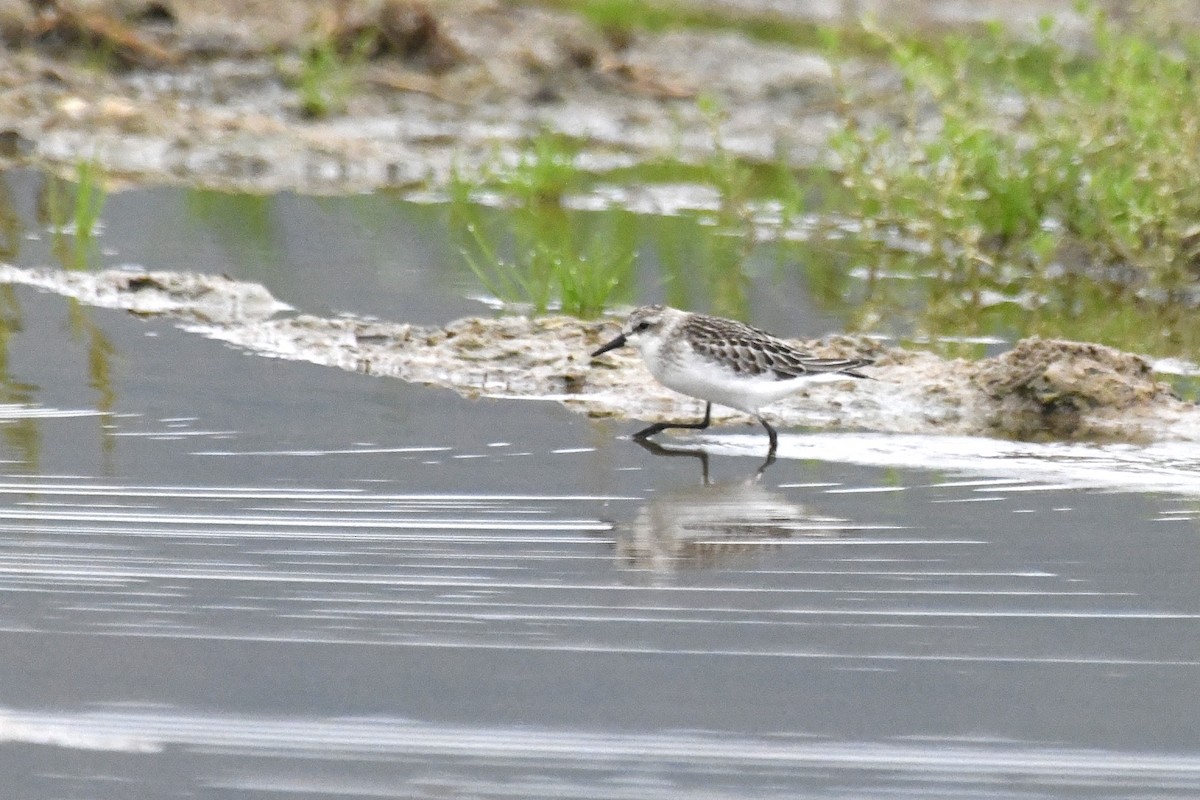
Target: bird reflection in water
x=710 y=524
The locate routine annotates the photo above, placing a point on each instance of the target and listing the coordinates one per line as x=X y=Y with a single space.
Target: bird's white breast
x=680 y=368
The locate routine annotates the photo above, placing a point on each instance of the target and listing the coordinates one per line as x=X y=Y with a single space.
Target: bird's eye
x=642 y=326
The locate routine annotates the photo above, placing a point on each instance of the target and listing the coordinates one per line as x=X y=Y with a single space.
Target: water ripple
x=574 y=760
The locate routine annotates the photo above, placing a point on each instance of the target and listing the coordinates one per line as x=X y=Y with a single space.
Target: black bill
x=613 y=345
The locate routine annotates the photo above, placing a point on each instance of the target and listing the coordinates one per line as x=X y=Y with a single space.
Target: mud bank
x=217 y=93
x=1040 y=389
x=201 y=100
x=181 y=295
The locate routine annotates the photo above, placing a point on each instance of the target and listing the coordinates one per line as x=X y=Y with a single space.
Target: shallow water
x=382 y=256
x=228 y=576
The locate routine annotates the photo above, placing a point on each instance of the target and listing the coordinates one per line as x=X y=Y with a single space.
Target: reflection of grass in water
x=12 y=226
x=579 y=264
x=908 y=297
x=583 y=263
x=244 y=224
x=100 y=354
x=22 y=435
x=73 y=211
x=1186 y=386
x=543 y=173
x=702 y=266
x=576 y=263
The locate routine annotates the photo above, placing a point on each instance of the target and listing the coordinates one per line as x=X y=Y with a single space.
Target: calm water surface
x=225 y=576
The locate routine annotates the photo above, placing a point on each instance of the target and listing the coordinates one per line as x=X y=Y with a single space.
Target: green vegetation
x=1056 y=195
x=327 y=76
x=73 y=211
x=543 y=173
x=89 y=197
x=577 y=272
x=620 y=19
x=1017 y=187
x=569 y=262
x=583 y=263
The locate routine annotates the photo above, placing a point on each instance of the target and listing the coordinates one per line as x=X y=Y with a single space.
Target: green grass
x=328 y=77
x=544 y=172
x=90 y=197
x=620 y=19
x=1027 y=189
x=1080 y=203
x=74 y=210
x=576 y=268
x=547 y=257
x=556 y=260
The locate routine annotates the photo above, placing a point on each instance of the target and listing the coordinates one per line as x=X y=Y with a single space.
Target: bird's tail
x=842 y=366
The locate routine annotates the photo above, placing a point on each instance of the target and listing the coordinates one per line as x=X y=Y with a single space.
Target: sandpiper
x=721 y=361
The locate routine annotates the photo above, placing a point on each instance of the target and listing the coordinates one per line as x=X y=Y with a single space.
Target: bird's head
x=645 y=323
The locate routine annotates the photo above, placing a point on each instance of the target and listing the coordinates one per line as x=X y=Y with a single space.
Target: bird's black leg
x=658 y=450
x=774 y=439
x=659 y=427
x=770 y=459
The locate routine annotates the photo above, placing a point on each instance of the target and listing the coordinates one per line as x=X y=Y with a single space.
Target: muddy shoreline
x=227 y=113
x=208 y=92
x=1040 y=389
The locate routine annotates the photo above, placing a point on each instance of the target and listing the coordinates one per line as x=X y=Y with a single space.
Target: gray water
x=226 y=576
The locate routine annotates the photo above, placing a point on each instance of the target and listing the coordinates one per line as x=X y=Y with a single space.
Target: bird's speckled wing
x=751 y=351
